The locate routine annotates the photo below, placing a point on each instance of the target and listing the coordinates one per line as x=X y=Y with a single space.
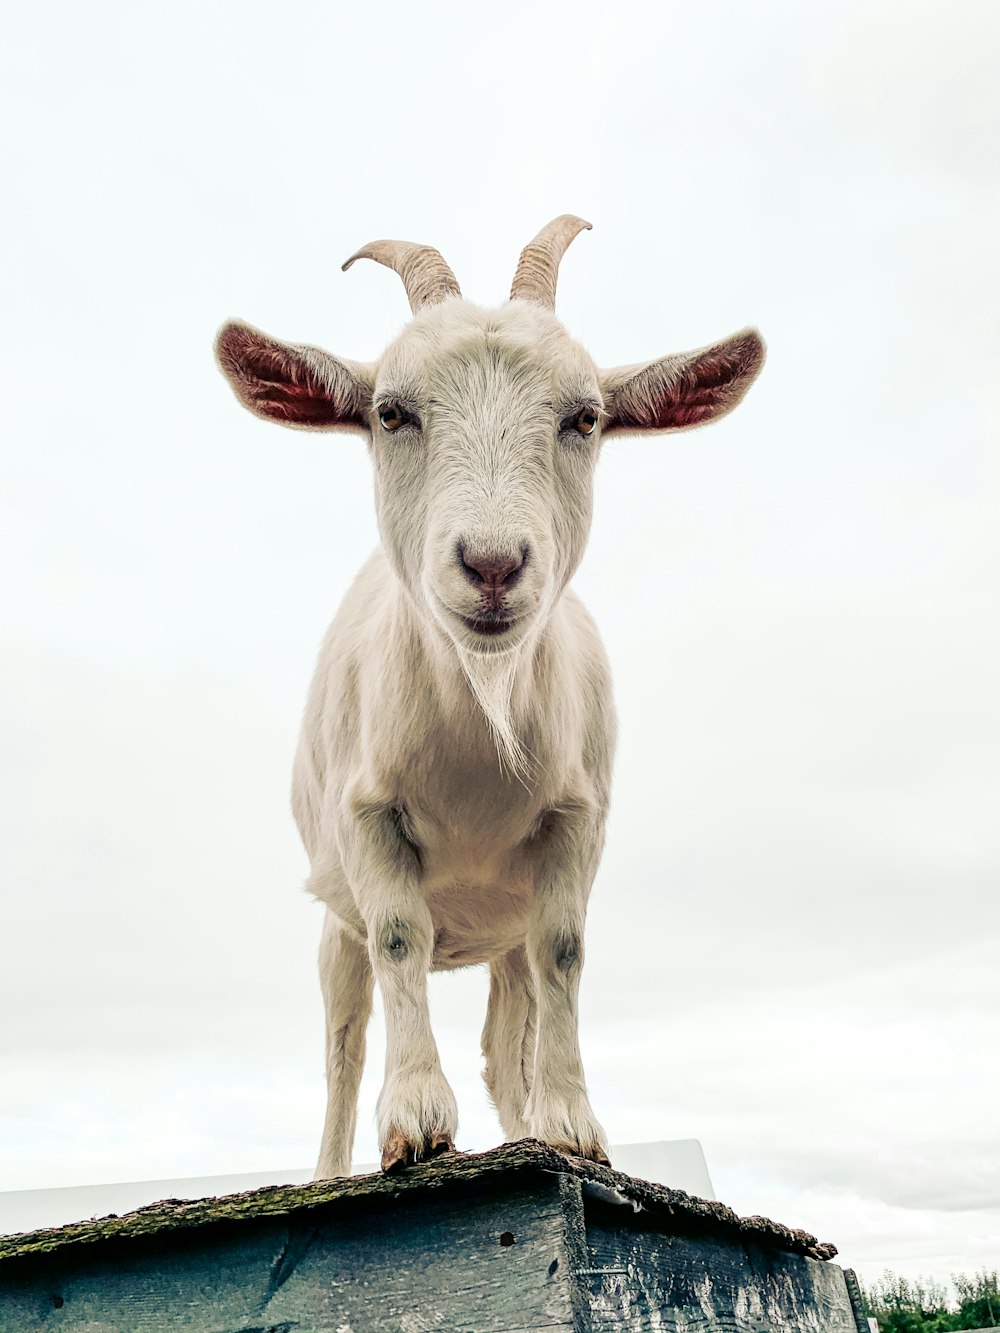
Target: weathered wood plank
x=640 y=1280
x=497 y=1264
x=858 y=1302
x=519 y=1239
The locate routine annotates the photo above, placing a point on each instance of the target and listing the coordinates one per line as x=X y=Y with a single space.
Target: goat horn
x=426 y=277
x=538 y=267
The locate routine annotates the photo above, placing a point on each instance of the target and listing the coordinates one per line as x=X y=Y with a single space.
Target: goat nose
x=491 y=569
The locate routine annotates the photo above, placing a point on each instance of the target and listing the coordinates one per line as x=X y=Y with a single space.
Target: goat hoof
x=595 y=1153
x=592 y=1153
x=397 y=1153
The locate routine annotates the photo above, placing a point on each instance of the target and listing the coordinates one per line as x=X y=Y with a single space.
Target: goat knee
x=399 y=940
x=557 y=957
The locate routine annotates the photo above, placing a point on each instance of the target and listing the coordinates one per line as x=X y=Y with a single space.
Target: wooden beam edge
x=674 y=1209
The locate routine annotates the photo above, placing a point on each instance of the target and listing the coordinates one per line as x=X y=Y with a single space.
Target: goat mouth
x=491 y=623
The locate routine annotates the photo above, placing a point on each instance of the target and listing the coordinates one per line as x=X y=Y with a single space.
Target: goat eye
x=585 y=422
x=391 y=417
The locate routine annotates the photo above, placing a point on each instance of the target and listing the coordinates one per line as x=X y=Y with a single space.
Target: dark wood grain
x=642 y=1280
x=858 y=1302
x=374 y=1269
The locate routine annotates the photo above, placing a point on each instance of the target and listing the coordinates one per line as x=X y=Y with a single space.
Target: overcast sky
x=794 y=935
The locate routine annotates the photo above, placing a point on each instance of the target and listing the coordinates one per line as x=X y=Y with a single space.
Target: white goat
x=452 y=779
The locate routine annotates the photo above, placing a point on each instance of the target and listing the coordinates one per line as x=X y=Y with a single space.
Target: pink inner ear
x=304 y=403
x=276 y=381
x=700 y=392
x=687 y=412
x=679 y=392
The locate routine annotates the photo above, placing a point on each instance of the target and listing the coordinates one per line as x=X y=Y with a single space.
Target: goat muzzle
x=492 y=574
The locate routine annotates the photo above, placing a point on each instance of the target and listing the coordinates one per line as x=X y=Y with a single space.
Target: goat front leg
x=558 y=1110
x=416 y=1112
x=346 y=979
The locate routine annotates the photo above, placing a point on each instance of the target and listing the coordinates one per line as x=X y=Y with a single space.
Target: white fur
x=451 y=789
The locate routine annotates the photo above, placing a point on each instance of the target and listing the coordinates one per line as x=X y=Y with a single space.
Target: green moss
x=453 y=1171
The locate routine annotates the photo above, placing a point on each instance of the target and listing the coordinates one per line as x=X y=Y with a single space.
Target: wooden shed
x=517 y=1239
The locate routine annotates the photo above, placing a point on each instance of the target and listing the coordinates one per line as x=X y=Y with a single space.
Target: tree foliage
x=979 y=1300
x=902 y=1305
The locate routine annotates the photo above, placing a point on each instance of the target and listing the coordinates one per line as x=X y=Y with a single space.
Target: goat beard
x=491 y=678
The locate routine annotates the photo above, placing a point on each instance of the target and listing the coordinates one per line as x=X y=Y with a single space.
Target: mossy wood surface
x=520 y=1238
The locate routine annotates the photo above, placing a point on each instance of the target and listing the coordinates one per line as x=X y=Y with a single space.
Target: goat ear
x=294 y=385
x=678 y=392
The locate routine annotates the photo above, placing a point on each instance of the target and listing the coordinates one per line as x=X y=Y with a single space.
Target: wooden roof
x=451 y=1172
